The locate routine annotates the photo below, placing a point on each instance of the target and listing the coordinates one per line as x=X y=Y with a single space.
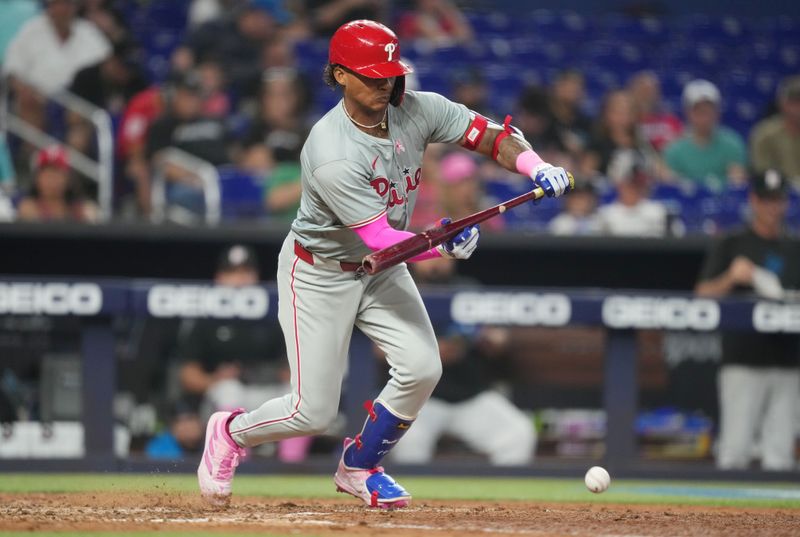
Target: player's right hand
x=462 y=245
x=554 y=180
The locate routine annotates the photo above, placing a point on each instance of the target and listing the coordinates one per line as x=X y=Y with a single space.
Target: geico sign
x=207 y=301
x=511 y=308
x=773 y=317
x=655 y=312
x=50 y=298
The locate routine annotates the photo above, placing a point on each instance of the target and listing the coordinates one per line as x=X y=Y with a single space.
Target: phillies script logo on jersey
x=397 y=193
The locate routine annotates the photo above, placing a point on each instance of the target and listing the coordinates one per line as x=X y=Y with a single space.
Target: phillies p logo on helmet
x=390 y=48
x=368 y=48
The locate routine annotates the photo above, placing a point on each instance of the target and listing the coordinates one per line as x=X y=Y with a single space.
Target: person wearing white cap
x=708 y=153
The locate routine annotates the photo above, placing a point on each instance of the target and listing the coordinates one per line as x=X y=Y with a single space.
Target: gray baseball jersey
x=349 y=179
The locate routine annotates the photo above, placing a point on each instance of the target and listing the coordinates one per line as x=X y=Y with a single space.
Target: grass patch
x=431 y=488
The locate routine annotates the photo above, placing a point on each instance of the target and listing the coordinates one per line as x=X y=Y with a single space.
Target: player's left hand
x=462 y=245
x=554 y=180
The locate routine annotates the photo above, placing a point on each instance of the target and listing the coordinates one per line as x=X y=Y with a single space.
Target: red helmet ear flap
x=398 y=91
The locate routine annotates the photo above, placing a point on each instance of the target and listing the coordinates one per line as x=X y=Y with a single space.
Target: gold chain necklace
x=381 y=123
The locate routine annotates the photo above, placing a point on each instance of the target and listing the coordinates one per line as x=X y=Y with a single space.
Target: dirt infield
x=169 y=511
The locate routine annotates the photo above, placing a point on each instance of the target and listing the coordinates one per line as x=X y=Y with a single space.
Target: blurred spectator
x=109 y=84
x=759 y=381
x=235 y=42
x=461 y=189
x=185 y=127
x=775 y=142
x=469 y=88
x=579 y=216
x=615 y=131
x=566 y=102
x=15 y=14
x=226 y=364
x=535 y=120
x=54 y=195
x=212 y=79
x=632 y=214
x=7 y=212
x=108 y=19
x=185 y=435
x=280 y=130
x=277 y=52
x=658 y=126
x=325 y=16
x=203 y=11
x=7 y=175
x=464 y=405
x=140 y=113
x=440 y=22
x=272 y=147
x=46 y=54
x=708 y=154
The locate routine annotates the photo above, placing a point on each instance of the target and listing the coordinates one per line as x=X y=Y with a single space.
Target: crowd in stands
x=237 y=84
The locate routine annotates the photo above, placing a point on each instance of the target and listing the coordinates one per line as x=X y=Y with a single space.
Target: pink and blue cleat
x=220 y=458
x=373 y=486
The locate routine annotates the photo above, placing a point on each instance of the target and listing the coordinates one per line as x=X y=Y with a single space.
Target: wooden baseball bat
x=422 y=242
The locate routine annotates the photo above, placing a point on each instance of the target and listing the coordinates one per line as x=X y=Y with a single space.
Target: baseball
x=597 y=479
x=502 y=209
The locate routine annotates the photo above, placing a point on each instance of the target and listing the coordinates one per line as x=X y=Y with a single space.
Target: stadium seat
x=241 y=193
x=647 y=30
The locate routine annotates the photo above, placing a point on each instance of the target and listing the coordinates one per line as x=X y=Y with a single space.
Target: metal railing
x=101 y=170
x=205 y=171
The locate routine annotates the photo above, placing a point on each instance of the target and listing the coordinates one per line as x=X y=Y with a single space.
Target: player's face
x=369 y=93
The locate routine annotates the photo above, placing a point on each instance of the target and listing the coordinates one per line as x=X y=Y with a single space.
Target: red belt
x=301 y=252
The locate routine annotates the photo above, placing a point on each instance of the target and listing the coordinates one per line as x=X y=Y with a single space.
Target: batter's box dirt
x=141 y=512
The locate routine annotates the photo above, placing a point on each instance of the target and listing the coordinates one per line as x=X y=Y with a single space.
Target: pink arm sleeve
x=527 y=162
x=379 y=234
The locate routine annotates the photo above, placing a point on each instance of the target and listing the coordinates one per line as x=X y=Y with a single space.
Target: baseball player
x=361 y=173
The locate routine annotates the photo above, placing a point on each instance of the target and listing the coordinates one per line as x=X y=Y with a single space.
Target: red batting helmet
x=368 y=48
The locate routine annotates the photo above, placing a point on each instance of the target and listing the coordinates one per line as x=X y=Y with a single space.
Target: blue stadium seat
x=491 y=24
x=241 y=192
x=564 y=26
x=783 y=29
x=647 y=30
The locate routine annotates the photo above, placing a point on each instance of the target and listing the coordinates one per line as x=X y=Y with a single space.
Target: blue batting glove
x=554 y=180
x=462 y=245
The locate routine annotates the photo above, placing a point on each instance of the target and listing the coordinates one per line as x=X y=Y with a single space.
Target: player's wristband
x=528 y=162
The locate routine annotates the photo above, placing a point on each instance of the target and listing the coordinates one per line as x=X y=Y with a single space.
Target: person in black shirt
x=759 y=380
x=227 y=363
x=185 y=127
x=235 y=41
x=464 y=404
